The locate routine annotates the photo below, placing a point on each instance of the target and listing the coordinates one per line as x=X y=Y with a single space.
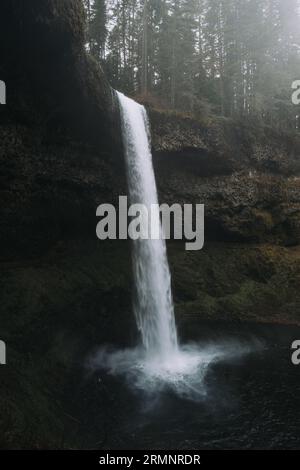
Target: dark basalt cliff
x=50 y=79
x=248 y=179
x=60 y=288
x=62 y=291
x=60 y=144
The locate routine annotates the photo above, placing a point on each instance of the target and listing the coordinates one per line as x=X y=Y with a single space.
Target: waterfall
x=153 y=305
x=159 y=362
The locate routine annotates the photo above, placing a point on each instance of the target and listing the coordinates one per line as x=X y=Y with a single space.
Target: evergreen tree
x=231 y=57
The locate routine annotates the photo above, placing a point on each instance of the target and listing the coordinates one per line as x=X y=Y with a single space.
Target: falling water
x=160 y=361
x=153 y=305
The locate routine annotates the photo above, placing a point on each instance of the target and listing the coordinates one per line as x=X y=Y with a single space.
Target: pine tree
x=98 y=30
x=236 y=58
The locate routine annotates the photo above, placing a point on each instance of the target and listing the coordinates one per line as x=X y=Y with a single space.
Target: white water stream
x=153 y=304
x=159 y=361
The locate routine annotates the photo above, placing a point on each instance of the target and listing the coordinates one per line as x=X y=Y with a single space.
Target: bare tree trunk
x=124 y=35
x=145 y=50
x=174 y=67
x=88 y=8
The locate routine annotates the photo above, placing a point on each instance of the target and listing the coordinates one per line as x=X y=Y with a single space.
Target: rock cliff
x=248 y=179
x=60 y=157
x=63 y=293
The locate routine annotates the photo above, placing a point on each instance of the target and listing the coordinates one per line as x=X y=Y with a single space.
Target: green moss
x=54 y=310
x=237 y=282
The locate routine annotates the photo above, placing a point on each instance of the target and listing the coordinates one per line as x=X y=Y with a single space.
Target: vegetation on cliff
x=231 y=58
x=61 y=156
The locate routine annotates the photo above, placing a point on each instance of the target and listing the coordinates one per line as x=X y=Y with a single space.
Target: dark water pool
x=252 y=401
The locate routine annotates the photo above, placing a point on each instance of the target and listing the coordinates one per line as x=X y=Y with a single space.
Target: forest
x=234 y=58
x=118 y=343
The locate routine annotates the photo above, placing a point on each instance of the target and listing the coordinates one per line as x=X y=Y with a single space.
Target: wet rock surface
x=60 y=157
x=63 y=293
x=248 y=180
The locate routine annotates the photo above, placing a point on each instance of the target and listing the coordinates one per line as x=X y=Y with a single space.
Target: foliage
x=231 y=57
